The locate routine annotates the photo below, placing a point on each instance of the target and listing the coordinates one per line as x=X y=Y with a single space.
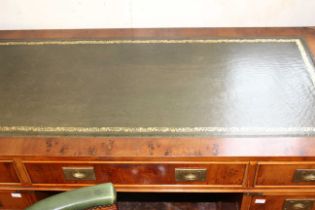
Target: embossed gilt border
x=178 y=130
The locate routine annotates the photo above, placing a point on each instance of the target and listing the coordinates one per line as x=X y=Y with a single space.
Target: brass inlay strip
x=234 y=130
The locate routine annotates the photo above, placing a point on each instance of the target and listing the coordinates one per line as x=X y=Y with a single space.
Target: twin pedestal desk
x=219 y=119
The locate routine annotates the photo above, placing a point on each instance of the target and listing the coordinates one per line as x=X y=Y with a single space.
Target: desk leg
x=246 y=202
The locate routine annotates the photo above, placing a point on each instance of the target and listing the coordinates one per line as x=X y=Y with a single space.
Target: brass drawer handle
x=190 y=174
x=309 y=177
x=299 y=206
x=79 y=173
x=296 y=204
x=190 y=177
x=304 y=175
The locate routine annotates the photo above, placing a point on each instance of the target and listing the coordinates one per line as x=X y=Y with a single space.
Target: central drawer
x=137 y=173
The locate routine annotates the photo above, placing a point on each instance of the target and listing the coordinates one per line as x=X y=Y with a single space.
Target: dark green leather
x=83 y=198
x=263 y=87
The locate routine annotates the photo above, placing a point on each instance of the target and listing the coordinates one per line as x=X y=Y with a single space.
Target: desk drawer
x=137 y=173
x=7 y=172
x=286 y=173
x=15 y=200
x=283 y=202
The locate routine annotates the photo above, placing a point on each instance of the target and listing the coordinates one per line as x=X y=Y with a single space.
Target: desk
x=160 y=110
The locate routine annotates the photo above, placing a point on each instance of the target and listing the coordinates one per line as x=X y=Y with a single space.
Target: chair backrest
x=98 y=197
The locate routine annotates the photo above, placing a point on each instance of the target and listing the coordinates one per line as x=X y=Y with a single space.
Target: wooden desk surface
x=202 y=146
x=157 y=87
x=248 y=162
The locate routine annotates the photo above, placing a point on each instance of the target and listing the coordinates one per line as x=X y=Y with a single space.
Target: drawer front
x=15 y=200
x=286 y=174
x=7 y=172
x=276 y=202
x=148 y=173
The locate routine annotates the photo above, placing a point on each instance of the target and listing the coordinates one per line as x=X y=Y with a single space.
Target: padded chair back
x=98 y=197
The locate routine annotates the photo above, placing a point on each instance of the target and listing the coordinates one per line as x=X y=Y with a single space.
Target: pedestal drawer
x=7 y=172
x=16 y=200
x=218 y=173
x=286 y=174
x=283 y=202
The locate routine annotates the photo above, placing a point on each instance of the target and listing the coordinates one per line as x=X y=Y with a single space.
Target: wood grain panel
x=138 y=173
x=123 y=148
x=7 y=171
x=281 y=174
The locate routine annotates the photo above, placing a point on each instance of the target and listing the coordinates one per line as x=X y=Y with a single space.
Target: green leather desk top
x=233 y=87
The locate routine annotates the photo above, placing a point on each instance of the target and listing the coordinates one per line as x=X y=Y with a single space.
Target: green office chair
x=99 y=197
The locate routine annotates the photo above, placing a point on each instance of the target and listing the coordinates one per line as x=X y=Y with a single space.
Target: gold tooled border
x=183 y=130
x=147 y=130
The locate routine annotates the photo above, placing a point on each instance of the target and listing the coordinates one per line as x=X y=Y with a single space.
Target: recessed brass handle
x=299 y=206
x=190 y=177
x=190 y=174
x=309 y=177
x=79 y=175
x=304 y=175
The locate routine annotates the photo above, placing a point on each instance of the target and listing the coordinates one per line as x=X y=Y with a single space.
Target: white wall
x=50 y=14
